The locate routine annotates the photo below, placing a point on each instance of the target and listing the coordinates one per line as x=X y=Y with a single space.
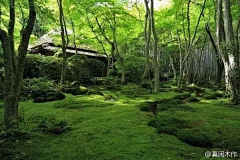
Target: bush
x=112 y=83
x=53 y=126
x=32 y=88
x=182 y=96
x=148 y=107
x=134 y=67
x=79 y=67
x=39 y=66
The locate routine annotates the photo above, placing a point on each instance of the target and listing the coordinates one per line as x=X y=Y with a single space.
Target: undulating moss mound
x=49 y=96
x=53 y=126
x=75 y=90
x=195 y=137
x=71 y=103
x=148 y=107
x=169 y=101
x=168 y=125
x=146 y=85
x=178 y=91
x=96 y=92
x=192 y=99
x=108 y=97
x=182 y=96
x=209 y=96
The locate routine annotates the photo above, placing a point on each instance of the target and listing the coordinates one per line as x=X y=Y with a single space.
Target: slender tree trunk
x=173 y=68
x=233 y=71
x=147 y=34
x=63 y=32
x=155 y=51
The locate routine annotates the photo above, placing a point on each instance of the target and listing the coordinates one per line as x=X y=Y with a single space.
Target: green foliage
x=112 y=83
x=35 y=87
x=134 y=67
x=37 y=66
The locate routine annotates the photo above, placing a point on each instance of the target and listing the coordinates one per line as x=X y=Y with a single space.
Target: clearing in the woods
x=99 y=127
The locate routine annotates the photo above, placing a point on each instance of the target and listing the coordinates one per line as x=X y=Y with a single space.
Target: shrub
x=112 y=83
x=32 y=88
x=134 y=67
x=53 y=126
x=148 y=107
x=182 y=96
x=80 y=67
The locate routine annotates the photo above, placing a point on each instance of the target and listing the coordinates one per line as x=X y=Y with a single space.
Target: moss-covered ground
x=115 y=129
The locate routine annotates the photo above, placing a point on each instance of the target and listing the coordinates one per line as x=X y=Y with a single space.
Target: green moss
x=148 y=107
x=192 y=99
x=210 y=96
x=182 y=96
x=119 y=130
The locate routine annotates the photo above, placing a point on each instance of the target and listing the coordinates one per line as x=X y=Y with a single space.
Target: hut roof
x=48 y=46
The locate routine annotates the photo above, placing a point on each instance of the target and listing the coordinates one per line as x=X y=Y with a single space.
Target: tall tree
x=147 y=38
x=155 y=50
x=65 y=41
x=13 y=80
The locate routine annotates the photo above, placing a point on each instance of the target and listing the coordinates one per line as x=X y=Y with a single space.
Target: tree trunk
x=155 y=51
x=147 y=34
x=12 y=82
x=63 y=32
x=233 y=71
x=173 y=68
